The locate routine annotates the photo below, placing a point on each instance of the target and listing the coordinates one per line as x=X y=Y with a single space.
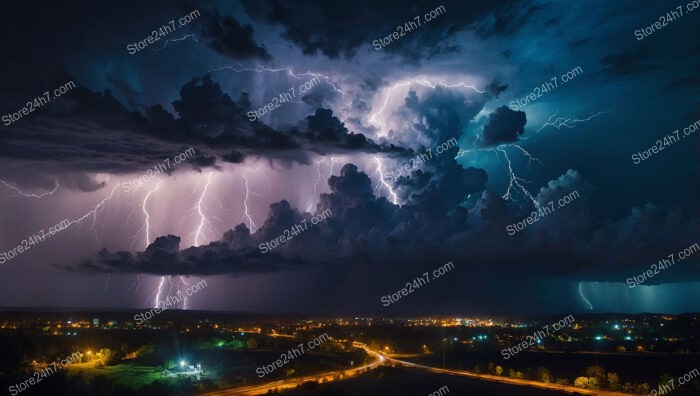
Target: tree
x=492 y=367
x=499 y=370
x=614 y=381
x=544 y=375
x=597 y=372
x=581 y=382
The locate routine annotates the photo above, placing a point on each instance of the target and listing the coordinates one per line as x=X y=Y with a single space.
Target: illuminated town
x=209 y=353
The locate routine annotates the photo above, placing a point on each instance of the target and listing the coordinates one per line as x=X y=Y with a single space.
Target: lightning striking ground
x=147 y=233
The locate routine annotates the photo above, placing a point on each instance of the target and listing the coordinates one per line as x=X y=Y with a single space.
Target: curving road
x=293 y=383
x=381 y=359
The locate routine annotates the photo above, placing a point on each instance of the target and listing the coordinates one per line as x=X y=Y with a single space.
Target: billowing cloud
x=228 y=36
x=504 y=126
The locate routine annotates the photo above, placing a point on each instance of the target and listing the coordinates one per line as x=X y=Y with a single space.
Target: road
x=293 y=383
x=510 y=381
x=382 y=359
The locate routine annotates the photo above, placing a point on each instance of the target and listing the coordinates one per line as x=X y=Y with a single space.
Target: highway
x=382 y=359
x=294 y=382
x=510 y=381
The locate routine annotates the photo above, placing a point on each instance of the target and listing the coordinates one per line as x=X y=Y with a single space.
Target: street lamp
x=444 y=347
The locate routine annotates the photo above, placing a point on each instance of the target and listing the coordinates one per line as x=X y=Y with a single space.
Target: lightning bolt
x=94 y=212
x=422 y=82
x=198 y=236
x=179 y=291
x=185 y=37
x=22 y=193
x=246 y=212
x=147 y=233
x=568 y=121
x=288 y=70
x=514 y=180
x=529 y=156
x=203 y=220
x=160 y=289
x=580 y=291
x=319 y=177
x=330 y=172
x=381 y=182
x=318 y=180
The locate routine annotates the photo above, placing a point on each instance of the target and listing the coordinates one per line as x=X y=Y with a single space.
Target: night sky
x=371 y=109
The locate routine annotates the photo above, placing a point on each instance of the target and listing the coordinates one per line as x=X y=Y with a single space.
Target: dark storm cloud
x=81 y=182
x=508 y=20
x=226 y=35
x=495 y=88
x=350 y=25
x=87 y=131
x=624 y=64
x=234 y=157
x=433 y=224
x=504 y=126
x=435 y=117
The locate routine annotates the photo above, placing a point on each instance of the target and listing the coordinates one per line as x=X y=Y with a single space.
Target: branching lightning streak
x=10 y=186
x=527 y=154
x=98 y=208
x=568 y=121
x=381 y=182
x=185 y=37
x=198 y=236
x=580 y=291
x=515 y=180
x=246 y=212
x=289 y=71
